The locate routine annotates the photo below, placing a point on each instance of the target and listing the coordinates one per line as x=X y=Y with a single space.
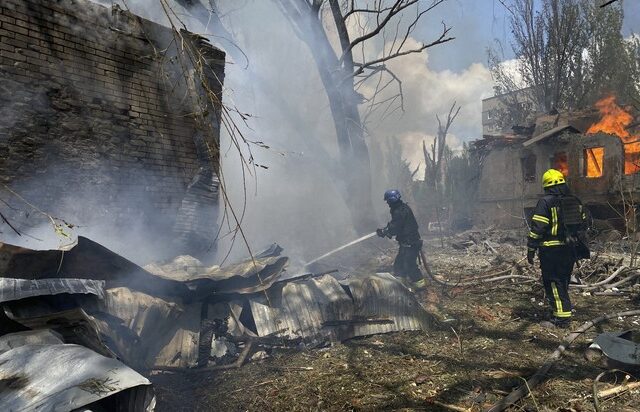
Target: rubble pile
x=114 y=321
x=473 y=257
x=486 y=340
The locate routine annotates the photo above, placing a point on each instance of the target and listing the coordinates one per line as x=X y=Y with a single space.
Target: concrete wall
x=95 y=127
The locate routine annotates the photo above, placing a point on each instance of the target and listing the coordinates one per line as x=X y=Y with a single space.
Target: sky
x=477 y=23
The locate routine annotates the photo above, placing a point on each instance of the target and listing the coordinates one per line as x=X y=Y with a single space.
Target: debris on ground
x=620 y=350
x=109 y=318
x=484 y=341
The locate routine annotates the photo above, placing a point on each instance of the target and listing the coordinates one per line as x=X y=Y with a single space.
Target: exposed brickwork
x=93 y=123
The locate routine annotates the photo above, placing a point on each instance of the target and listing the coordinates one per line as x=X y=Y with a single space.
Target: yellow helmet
x=552 y=177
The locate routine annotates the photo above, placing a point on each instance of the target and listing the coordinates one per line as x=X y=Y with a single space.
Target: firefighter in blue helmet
x=404 y=227
x=558 y=227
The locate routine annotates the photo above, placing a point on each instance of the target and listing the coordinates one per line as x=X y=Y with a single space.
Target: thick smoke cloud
x=428 y=93
x=296 y=202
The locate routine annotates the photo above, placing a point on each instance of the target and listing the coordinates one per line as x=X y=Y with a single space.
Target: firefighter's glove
x=380 y=232
x=531 y=254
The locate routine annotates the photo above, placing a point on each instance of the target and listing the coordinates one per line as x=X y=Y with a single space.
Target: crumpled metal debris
x=16 y=289
x=323 y=308
x=63 y=377
x=29 y=337
x=184 y=314
x=621 y=349
x=86 y=260
x=248 y=276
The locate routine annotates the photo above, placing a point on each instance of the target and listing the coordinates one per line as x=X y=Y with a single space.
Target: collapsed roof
x=96 y=307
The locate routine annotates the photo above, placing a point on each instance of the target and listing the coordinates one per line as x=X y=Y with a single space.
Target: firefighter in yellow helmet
x=558 y=228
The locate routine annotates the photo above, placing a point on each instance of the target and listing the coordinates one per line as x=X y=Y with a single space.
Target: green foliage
x=571 y=53
x=612 y=66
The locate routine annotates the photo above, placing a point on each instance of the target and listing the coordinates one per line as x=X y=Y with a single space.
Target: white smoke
x=296 y=202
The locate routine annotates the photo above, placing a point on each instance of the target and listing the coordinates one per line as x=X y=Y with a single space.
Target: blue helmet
x=392 y=196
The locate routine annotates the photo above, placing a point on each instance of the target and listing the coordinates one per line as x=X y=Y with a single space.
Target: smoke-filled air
x=292 y=205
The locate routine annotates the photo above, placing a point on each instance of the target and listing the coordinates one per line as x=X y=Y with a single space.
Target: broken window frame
x=528 y=166
x=631 y=158
x=595 y=154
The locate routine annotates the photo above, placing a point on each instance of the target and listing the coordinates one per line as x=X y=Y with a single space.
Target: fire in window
x=594 y=162
x=560 y=162
x=528 y=168
x=632 y=158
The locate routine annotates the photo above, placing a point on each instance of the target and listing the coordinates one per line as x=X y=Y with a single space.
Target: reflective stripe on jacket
x=547 y=227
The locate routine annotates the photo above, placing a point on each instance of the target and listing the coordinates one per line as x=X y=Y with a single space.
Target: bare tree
x=564 y=50
x=433 y=172
x=347 y=69
x=435 y=163
x=344 y=72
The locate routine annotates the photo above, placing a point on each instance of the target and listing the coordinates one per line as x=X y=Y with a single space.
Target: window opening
x=594 y=162
x=560 y=162
x=529 y=168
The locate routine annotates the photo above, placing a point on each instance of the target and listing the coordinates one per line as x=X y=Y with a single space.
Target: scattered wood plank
x=541 y=374
x=607 y=393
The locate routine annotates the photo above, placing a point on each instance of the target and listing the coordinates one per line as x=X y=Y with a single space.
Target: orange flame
x=594 y=159
x=615 y=121
x=561 y=163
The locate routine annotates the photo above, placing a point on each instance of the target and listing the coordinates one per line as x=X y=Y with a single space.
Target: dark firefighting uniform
x=557 y=258
x=404 y=227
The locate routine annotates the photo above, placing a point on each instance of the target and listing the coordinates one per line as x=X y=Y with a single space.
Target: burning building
x=103 y=125
x=597 y=150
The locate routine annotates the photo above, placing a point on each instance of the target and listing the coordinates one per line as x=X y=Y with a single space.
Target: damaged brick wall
x=94 y=126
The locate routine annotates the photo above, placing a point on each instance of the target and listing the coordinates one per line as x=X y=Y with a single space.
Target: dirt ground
x=485 y=340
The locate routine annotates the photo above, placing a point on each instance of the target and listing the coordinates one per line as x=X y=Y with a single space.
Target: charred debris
x=75 y=318
x=82 y=328
x=90 y=97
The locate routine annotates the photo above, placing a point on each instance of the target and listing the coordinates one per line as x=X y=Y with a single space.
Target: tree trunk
x=353 y=162
x=343 y=103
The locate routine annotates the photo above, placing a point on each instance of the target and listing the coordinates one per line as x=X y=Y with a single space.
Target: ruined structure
x=106 y=124
x=600 y=162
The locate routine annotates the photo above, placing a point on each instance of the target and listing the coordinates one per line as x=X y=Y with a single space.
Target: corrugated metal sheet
x=181 y=348
x=29 y=337
x=87 y=259
x=16 y=289
x=61 y=378
x=304 y=309
x=184 y=277
x=75 y=325
x=321 y=308
x=381 y=296
x=249 y=276
x=153 y=331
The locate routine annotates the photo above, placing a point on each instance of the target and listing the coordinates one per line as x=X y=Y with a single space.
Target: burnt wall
x=500 y=189
x=507 y=191
x=95 y=126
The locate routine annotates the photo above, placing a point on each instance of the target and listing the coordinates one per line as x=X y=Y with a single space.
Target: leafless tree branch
x=398 y=53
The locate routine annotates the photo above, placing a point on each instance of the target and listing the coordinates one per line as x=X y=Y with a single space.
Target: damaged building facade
x=104 y=125
x=597 y=152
